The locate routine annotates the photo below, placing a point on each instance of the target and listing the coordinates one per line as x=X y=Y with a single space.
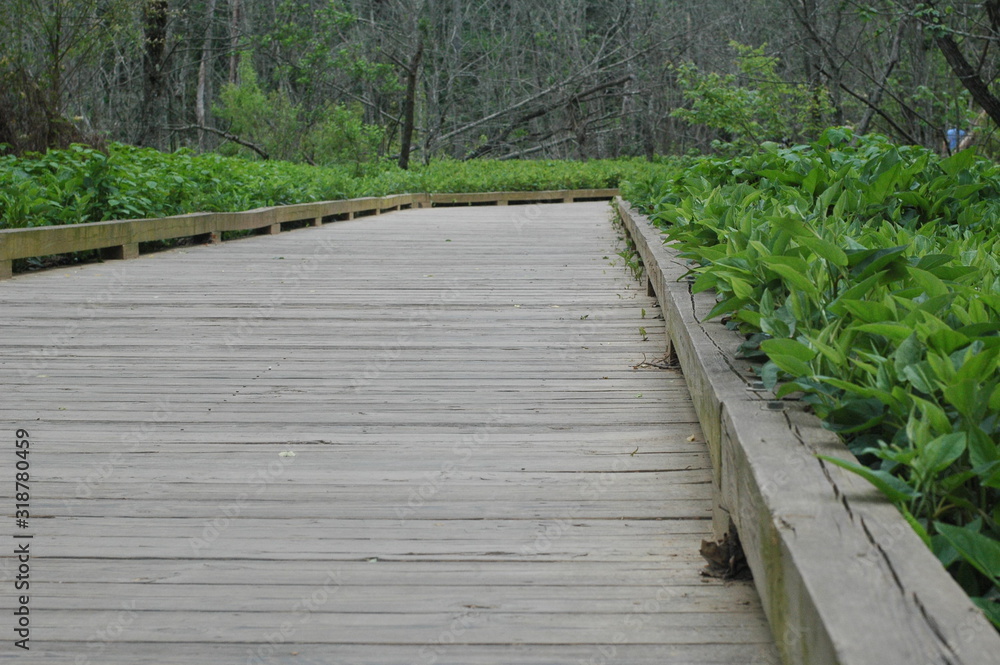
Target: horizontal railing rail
x=119 y=239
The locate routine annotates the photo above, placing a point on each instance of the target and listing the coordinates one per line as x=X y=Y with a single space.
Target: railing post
x=318 y=221
x=6 y=269
x=121 y=252
x=272 y=230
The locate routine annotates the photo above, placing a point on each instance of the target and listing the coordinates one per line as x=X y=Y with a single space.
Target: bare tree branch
x=875 y=98
x=226 y=135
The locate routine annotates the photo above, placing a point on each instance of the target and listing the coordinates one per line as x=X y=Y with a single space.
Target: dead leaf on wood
x=725 y=558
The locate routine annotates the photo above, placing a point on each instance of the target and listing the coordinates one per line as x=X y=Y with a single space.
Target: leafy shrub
x=868 y=279
x=754 y=105
x=332 y=134
x=84 y=185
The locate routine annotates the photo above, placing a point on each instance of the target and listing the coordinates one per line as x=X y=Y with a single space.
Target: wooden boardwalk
x=415 y=439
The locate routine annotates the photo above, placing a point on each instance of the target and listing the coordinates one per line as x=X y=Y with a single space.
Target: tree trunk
x=969 y=77
x=152 y=115
x=204 y=74
x=409 y=106
x=967 y=74
x=235 y=14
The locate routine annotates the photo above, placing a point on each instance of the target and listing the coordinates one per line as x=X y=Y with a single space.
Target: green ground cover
x=80 y=184
x=865 y=277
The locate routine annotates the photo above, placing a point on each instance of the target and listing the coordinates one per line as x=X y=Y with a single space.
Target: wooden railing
x=120 y=239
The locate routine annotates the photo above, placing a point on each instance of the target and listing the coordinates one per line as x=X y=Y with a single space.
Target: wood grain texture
x=843 y=577
x=484 y=470
x=119 y=239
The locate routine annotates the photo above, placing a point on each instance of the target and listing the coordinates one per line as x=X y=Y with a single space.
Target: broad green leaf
x=982 y=451
x=826 y=250
x=741 y=288
x=914 y=200
x=964 y=396
x=894 y=488
x=726 y=306
x=909 y=352
x=979 y=550
x=869 y=262
x=831 y=353
x=788 y=347
x=979 y=367
x=769 y=375
x=995 y=399
x=943 y=550
x=786 y=177
x=958 y=162
x=795 y=279
x=812 y=180
x=748 y=316
x=941 y=452
x=790 y=387
x=990 y=476
x=791 y=364
x=866 y=311
x=919 y=377
x=795 y=263
x=933 y=414
x=856 y=415
x=931 y=285
x=988 y=328
x=861 y=290
x=879 y=190
x=943 y=368
x=946 y=340
x=704 y=282
x=825 y=200
x=775 y=327
x=931 y=262
x=844 y=203
x=790 y=225
x=894 y=331
x=711 y=254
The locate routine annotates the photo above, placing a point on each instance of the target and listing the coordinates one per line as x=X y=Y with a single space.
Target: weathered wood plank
x=123 y=236
x=476 y=439
x=438 y=652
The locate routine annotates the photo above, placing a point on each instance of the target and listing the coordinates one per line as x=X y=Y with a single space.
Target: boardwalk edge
x=119 y=239
x=843 y=578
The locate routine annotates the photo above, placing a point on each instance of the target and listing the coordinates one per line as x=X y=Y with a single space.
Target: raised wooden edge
x=505 y=198
x=842 y=576
x=121 y=238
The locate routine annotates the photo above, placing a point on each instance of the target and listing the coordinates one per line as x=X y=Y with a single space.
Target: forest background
x=334 y=81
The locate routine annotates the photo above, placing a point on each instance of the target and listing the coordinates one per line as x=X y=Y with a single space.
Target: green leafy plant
x=864 y=277
x=82 y=184
x=753 y=105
